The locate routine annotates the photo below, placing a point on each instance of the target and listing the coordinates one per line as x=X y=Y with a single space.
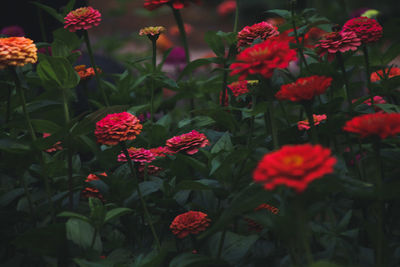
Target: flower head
x=176 y=4
x=263 y=59
x=262 y=30
x=389 y=72
x=138 y=155
x=338 y=42
x=377 y=100
x=176 y=57
x=13 y=31
x=368 y=30
x=226 y=7
x=151 y=169
x=380 y=125
x=152 y=32
x=57 y=146
x=312 y=37
x=90 y=191
x=117 y=127
x=82 y=18
x=191 y=222
x=161 y=151
x=86 y=73
x=304 y=89
x=255 y=226
x=238 y=88
x=17 y=51
x=305 y=125
x=294 y=166
x=188 y=143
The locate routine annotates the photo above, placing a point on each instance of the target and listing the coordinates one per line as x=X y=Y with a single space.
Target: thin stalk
x=249 y=137
x=284 y=113
x=221 y=243
x=300 y=47
x=29 y=198
x=271 y=119
x=90 y=52
x=69 y=151
x=41 y=25
x=154 y=62
x=146 y=212
x=235 y=24
x=93 y=238
x=353 y=156
x=310 y=117
x=181 y=27
x=368 y=73
x=380 y=207
x=304 y=232
x=346 y=81
x=8 y=111
x=224 y=85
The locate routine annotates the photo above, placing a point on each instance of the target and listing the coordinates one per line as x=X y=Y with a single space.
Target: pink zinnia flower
x=305 y=125
x=338 y=42
x=262 y=30
x=188 y=143
x=377 y=100
x=82 y=18
x=161 y=151
x=138 y=155
x=57 y=146
x=368 y=30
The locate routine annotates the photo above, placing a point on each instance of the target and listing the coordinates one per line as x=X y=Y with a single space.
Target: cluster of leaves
x=46 y=221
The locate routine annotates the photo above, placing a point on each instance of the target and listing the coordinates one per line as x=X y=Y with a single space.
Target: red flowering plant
x=368 y=30
x=82 y=18
x=188 y=143
x=249 y=34
x=191 y=222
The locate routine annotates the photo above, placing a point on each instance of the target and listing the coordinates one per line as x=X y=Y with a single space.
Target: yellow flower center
x=259 y=52
x=80 y=11
x=293 y=160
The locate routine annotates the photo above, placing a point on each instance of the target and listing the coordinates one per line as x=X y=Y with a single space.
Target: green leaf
x=70 y=214
x=195 y=64
x=191 y=185
x=70 y=39
x=57 y=72
x=197 y=165
x=324 y=264
x=10 y=196
x=50 y=10
x=193 y=260
x=223 y=144
x=81 y=233
x=215 y=42
x=12 y=146
x=114 y=213
x=280 y=12
x=45 y=126
x=97 y=212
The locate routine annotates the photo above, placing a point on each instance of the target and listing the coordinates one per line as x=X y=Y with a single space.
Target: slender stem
x=299 y=46
x=235 y=25
x=310 y=117
x=69 y=150
x=224 y=85
x=221 y=243
x=90 y=52
x=181 y=26
x=346 y=81
x=303 y=231
x=146 y=212
x=380 y=207
x=93 y=238
x=8 y=111
x=21 y=95
x=28 y=197
x=284 y=113
x=65 y=106
x=41 y=25
x=271 y=119
x=154 y=61
x=250 y=135
x=368 y=74
x=353 y=156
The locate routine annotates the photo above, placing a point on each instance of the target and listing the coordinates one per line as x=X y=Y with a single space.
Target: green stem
x=90 y=52
x=221 y=243
x=41 y=25
x=346 y=81
x=368 y=73
x=300 y=47
x=235 y=25
x=284 y=113
x=69 y=150
x=224 y=85
x=29 y=198
x=303 y=232
x=310 y=117
x=181 y=26
x=154 y=61
x=380 y=206
x=93 y=238
x=8 y=111
x=353 y=156
x=249 y=137
x=146 y=212
x=271 y=119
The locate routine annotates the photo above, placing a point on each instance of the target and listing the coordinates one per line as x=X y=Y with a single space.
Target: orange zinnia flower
x=17 y=51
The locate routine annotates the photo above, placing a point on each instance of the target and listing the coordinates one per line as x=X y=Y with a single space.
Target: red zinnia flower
x=377 y=100
x=117 y=127
x=86 y=73
x=188 y=143
x=305 y=125
x=177 y=4
x=376 y=124
x=55 y=147
x=368 y=30
x=191 y=222
x=17 y=51
x=82 y=18
x=390 y=73
x=161 y=151
x=227 y=7
x=262 y=30
x=294 y=166
x=313 y=36
x=90 y=191
x=263 y=59
x=255 y=226
x=338 y=42
x=138 y=155
x=238 y=88
x=304 y=88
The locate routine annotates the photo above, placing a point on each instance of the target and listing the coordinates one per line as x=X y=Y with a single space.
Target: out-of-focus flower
x=152 y=32
x=17 y=51
x=277 y=21
x=312 y=37
x=388 y=72
x=45 y=50
x=248 y=34
x=188 y=143
x=304 y=89
x=117 y=127
x=263 y=59
x=377 y=100
x=380 y=125
x=370 y=13
x=368 y=30
x=138 y=155
x=163 y=43
x=176 y=57
x=174 y=30
x=143 y=117
x=255 y=226
x=86 y=73
x=82 y=18
x=238 y=88
x=177 y=4
x=57 y=146
x=91 y=191
x=161 y=151
x=338 y=42
x=191 y=222
x=305 y=125
x=151 y=170
x=226 y=7
x=13 y=31
x=294 y=166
